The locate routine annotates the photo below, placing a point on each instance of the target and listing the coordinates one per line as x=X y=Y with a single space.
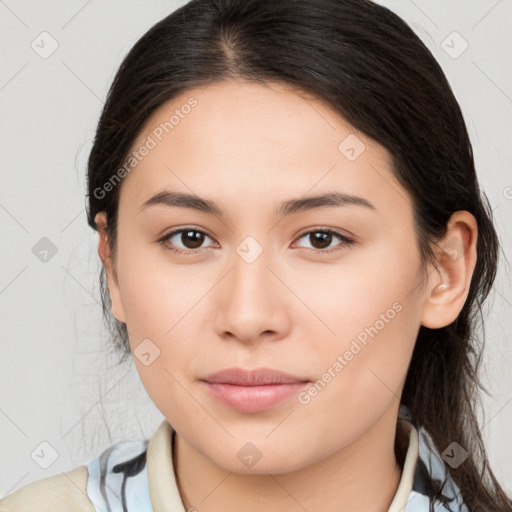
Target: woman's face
x=266 y=286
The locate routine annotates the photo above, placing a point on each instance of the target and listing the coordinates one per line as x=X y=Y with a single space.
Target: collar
x=163 y=487
x=141 y=474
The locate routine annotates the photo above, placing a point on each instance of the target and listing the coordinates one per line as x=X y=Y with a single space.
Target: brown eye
x=321 y=239
x=184 y=240
x=191 y=239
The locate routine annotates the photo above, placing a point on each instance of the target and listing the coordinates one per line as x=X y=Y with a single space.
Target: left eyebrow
x=333 y=199
x=184 y=200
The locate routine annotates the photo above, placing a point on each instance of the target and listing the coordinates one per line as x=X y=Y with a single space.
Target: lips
x=253 y=390
x=257 y=377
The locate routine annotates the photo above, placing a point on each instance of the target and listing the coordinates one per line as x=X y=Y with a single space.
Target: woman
x=295 y=249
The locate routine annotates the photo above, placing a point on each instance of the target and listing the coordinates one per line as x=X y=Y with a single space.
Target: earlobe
x=448 y=282
x=110 y=271
x=441 y=287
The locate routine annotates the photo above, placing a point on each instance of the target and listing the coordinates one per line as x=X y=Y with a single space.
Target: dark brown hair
x=369 y=66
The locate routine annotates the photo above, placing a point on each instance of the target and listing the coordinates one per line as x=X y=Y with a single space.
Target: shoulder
x=62 y=492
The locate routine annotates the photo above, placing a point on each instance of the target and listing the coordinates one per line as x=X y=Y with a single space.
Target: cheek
x=361 y=371
x=366 y=288
x=370 y=320
x=156 y=294
x=163 y=311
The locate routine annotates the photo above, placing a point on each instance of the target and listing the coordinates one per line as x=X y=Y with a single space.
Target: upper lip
x=256 y=377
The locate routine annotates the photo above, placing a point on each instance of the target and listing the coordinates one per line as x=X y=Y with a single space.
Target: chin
x=248 y=459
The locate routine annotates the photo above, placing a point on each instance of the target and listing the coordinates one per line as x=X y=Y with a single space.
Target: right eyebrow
x=182 y=200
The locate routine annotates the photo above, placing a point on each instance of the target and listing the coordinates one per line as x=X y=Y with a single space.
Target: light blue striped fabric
x=418 y=500
x=118 y=480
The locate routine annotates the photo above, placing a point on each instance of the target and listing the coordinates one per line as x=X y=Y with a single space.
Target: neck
x=361 y=476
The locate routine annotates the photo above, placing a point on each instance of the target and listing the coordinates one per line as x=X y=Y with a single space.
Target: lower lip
x=253 y=398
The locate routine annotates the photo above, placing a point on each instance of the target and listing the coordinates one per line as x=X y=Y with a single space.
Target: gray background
x=58 y=380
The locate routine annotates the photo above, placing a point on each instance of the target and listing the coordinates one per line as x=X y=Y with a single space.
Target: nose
x=253 y=301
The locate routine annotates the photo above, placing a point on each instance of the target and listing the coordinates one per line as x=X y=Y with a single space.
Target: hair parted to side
x=369 y=66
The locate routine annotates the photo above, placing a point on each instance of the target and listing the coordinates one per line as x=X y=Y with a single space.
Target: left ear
x=448 y=286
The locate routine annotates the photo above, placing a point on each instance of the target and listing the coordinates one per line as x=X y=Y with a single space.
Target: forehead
x=235 y=139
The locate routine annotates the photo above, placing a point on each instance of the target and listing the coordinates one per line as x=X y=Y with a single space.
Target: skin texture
x=247 y=147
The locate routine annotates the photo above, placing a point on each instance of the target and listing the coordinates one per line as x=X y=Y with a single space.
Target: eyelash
x=346 y=242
